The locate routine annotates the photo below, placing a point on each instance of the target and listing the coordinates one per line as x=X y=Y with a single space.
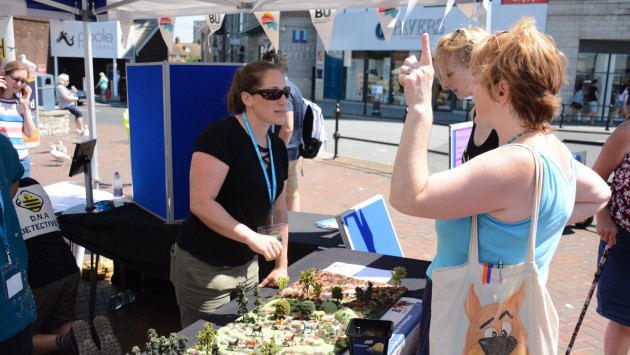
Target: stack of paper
x=329 y=223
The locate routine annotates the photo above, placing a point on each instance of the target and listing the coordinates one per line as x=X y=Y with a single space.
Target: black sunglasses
x=273 y=94
x=18 y=80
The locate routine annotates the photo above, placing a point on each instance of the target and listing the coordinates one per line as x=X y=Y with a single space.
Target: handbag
x=480 y=309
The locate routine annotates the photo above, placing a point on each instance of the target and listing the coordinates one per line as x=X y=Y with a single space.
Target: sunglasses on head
x=18 y=80
x=273 y=94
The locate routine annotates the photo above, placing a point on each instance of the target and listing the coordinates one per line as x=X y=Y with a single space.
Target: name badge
x=12 y=278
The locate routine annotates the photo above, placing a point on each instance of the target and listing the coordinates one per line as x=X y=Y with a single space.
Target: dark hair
x=280 y=59
x=246 y=79
x=595 y=81
x=579 y=86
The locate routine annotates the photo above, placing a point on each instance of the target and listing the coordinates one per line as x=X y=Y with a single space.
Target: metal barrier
x=337 y=135
x=599 y=117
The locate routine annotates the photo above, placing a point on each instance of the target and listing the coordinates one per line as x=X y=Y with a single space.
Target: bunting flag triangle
x=125 y=29
x=167 y=28
x=410 y=5
x=387 y=18
x=214 y=22
x=323 y=20
x=270 y=22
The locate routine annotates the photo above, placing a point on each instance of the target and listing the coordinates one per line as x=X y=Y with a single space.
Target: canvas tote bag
x=509 y=312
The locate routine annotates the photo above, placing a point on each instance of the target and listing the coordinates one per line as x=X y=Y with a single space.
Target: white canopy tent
x=127 y=10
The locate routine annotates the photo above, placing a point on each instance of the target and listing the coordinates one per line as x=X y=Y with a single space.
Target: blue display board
x=170 y=104
x=368 y=227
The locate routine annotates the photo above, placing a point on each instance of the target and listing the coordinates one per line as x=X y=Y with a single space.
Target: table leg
x=93 y=283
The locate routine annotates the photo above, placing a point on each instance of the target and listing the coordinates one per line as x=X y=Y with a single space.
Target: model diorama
x=306 y=317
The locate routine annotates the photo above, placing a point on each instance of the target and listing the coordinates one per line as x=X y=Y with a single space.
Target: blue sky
x=184 y=28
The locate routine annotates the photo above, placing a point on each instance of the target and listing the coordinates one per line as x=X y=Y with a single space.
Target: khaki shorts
x=201 y=288
x=292 y=181
x=55 y=303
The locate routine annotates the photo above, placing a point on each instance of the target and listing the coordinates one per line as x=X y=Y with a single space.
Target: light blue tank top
x=508 y=240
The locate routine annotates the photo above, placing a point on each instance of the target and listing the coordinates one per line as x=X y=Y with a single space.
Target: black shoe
x=105 y=337
x=81 y=334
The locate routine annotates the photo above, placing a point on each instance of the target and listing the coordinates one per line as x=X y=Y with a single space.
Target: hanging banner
x=323 y=23
x=125 y=29
x=387 y=18
x=214 y=22
x=270 y=20
x=167 y=28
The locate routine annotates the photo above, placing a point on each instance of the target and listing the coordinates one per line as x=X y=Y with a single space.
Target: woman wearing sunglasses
x=15 y=112
x=238 y=175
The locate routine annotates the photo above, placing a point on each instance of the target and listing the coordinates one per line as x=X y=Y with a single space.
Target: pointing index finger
x=425 y=57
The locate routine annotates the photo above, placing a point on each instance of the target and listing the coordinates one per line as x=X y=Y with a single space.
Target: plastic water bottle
x=121 y=299
x=118 y=191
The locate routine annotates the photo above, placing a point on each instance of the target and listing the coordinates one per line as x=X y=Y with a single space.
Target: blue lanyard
x=271 y=187
x=3 y=231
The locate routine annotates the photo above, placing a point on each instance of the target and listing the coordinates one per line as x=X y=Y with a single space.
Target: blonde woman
x=517 y=76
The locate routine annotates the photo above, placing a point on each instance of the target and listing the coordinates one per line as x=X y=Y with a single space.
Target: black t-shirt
x=473 y=150
x=243 y=193
x=49 y=256
x=591 y=93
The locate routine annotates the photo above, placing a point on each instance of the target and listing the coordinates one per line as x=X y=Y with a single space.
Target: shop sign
x=68 y=40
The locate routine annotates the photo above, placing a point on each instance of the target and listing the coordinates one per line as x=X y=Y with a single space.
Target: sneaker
x=105 y=337
x=85 y=133
x=79 y=132
x=81 y=334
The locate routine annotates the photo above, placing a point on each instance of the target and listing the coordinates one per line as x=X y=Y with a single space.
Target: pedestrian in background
x=16 y=120
x=452 y=61
x=238 y=174
x=17 y=306
x=577 y=102
x=290 y=132
x=518 y=75
x=613 y=227
x=67 y=100
x=103 y=85
x=593 y=100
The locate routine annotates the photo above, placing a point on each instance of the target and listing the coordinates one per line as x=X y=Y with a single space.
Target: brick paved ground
x=329 y=187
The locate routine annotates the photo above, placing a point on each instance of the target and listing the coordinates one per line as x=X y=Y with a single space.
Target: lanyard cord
x=271 y=186
x=3 y=231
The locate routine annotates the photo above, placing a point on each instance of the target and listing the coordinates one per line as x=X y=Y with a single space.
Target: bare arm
x=282 y=262
x=612 y=154
x=29 y=125
x=287 y=129
x=207 y=175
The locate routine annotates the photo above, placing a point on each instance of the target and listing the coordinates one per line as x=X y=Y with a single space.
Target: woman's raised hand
x=417 y=76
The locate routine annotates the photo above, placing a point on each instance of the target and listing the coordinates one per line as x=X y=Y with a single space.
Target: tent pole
x=89 y=77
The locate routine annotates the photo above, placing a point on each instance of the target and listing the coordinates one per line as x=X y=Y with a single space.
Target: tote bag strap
x=473 y=254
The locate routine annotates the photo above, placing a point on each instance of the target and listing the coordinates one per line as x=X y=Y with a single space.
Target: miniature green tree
x=398 y=274
x=161 y=345
x=153 y=342
x=358 y=293
x=207 y=336
x=283 y=282
x=257 y=299
x=317 y=289
x=283 y=308
x=307 y=279
x=241 y=299
x=270 y=348
x=337 y=294
x=368 y=293
x=307 y=308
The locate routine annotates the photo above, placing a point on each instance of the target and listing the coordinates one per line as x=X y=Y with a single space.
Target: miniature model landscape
x=307 y=317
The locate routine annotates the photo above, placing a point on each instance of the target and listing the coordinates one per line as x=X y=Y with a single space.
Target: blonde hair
x=12 y=66
x=531 y=64
x=62 y=77
x=459 y=43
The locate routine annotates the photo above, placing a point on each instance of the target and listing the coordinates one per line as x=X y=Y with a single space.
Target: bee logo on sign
x=30 y=201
